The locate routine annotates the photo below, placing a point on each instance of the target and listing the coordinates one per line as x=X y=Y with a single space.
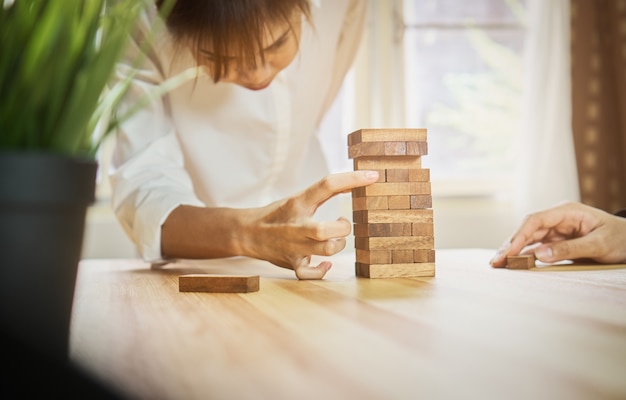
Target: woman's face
x=280 y=46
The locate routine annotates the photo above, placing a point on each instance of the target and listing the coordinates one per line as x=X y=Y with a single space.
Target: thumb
x=582 y=247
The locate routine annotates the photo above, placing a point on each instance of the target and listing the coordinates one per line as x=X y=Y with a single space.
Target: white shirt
x=220 y=145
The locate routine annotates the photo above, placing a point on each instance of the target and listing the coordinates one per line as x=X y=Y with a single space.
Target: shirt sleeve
x=148 y=179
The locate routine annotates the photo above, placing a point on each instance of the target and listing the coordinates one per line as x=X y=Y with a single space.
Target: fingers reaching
x=328 y=230
x=333 y=185
x=534 y=228
x=568 y=231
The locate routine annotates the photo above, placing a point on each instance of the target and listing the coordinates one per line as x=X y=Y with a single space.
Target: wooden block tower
x=393 y=218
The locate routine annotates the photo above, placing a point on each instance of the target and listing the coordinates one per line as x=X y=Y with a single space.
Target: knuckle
x=530 y=217
x=319 y=232
x=326 y=184
x=561 y=251
x=333 y=246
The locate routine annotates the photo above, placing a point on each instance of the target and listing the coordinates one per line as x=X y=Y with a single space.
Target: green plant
x=56 y=59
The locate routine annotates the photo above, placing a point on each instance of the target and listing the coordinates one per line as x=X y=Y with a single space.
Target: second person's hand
x=568 y=231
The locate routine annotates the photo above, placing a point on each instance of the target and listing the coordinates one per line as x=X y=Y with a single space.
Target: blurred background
x=524 y=102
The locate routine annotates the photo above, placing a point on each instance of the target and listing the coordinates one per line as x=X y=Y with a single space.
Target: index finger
x=333 y=185
x=536 y=226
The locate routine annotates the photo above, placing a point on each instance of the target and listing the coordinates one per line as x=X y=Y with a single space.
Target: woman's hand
x=285 y=233
x=567 y=232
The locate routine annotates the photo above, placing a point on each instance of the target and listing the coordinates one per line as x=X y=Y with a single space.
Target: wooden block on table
x=382 y=163
x=387 y=135
x=525 y=261
x=408 y=270
x=392 y=216
x=218 y=283
x=394 y=243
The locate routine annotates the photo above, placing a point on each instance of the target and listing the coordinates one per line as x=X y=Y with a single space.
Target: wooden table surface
x=470 y=332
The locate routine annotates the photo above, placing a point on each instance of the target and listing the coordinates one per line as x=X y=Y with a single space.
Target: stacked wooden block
x=393 y=218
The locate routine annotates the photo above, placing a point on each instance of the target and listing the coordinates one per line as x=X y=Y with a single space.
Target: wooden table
x=471 y=332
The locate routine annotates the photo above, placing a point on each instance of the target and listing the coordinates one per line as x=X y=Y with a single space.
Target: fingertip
x=496 y=263
x=313 y=273
x=371 y=175
x=499 y=259
x=342 y=218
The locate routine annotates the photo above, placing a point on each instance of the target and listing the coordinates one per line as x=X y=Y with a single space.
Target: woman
x=218 y=167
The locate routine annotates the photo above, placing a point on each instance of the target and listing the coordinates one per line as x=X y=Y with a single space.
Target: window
x=463 y=81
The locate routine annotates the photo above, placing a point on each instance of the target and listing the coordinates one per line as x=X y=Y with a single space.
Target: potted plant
x=57 y=58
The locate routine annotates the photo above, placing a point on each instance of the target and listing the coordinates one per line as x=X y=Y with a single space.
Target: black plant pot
x=43 y=202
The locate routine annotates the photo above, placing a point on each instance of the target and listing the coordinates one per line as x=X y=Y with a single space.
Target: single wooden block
x=395 y=243
x=388 y=149
x=409 y=270
x=394 y=149
x=424 y=255
x=370 y=203
x=396 y=175
x=218 y=283
x=392 y=216
x=378 y=163
x=416 y=148
x=373 y=257
x=387 y=135
x=525 y=261
x=393 y=189
x=422 y=229
x=399 y=202
x=421 y=201
x=381 y=230
x=376 y=149
x=419 y=175
x=407 y=175
x=401 y=257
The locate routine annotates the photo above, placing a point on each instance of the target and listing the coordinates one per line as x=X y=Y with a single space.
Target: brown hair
x=230 y=28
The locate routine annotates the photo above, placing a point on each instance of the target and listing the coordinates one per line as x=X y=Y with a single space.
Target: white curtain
x=547 y=163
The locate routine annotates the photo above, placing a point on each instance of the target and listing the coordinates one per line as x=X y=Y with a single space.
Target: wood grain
x=382 y=163
x=471 y=332
x=392 y=216
x=526 y=261
x=395 y=243
x=387 y=135
x=218 y=283
x=407 y=270
x=393 y=189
